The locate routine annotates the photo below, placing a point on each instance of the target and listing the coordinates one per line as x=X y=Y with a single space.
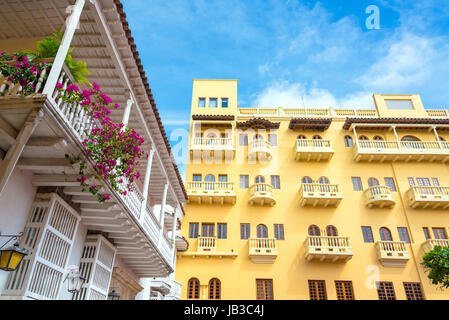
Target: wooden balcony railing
x=261 y=193
x=262 y=250
x=428 y=197
x=328 y=247
x=211 y=192
x=379 y=196
x=318 y=194
x=313 y=149
x=392 y=253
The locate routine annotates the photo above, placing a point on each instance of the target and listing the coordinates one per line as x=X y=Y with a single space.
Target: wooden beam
x=44 y=164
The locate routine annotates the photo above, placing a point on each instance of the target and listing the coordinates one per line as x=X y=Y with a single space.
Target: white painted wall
x=15 y=204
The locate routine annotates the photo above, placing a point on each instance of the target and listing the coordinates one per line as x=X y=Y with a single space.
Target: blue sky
x=286 y=52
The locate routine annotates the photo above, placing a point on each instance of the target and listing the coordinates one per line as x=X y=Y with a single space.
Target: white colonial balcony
x=392 y=253
x=261 y=194
x=211 y=192
x=428 y=197
x=38 y=130
x=211 y=148
x=313 y=150
x=260 y=149
x=401 y=151
x=379 y=196
x=317 y=194
x=328 y=247
x=432 y=243
x=262 y=250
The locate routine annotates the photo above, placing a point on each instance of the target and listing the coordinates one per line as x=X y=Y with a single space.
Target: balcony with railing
x=392 y=253
x=428 y=197
x=432 y=243
x=318 y=194
x=208 y=247
x=260 y=149
x=211 y=192
x=313 y=150
x=328 y=247
x=210 y=147
x=262 y=250
x=261 y=194
x=401 y=151
x=379 y=196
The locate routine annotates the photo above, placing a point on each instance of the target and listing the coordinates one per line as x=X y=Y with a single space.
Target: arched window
x=301 y=136
x=385 y=234
x=324 y=180
x=193 y=289
x=348 y=141
x=409 y=138
x=363 y=138
x=260 y=179
x=373 y=182
x=378 y=138
x=442 y=139
x=314 y=230
x=306 y=180
x=331 y=231
x=214 y=289
x=258 y=137
x=262 y=231
x=317 y=137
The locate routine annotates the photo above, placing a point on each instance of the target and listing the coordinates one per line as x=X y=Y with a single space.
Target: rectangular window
x=426 y=233
x=275 y=182
x=193 y=230
x=435 y=181
x=403 y=234
x=264 y=289
x=399 y=104
x=207 y=230
x=244 y=182
x=413 y=291
x=201 y=102
x=213 y=102
x=273 y=139
x=411 y=182
x=224 y=102
x=317 y=290
x=196 y=178
x=243 y=139
x=367 y=234
x=344 y=290
x=389 y=182
x=244 y=231
x=357 y=183
x=439 y=233
x=423 y=182
x=222 y=179
x=222 y=230
x=385 y=290
x=279 y=231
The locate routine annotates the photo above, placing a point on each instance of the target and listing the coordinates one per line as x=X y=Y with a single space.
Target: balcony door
x=262 y=231
x=222 y=179
x=385 y=234
x=209 y=179
x=207 y=230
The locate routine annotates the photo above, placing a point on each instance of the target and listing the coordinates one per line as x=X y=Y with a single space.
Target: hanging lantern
x=113 y=295
x=11 y=257
x=74 y=280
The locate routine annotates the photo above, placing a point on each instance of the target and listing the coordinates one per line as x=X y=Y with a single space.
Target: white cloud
x=296 y=95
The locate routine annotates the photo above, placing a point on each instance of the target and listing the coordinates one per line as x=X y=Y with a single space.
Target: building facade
x=128 y=243
x=313 y=203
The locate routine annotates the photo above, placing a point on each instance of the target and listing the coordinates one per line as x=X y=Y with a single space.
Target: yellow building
x=312 y=203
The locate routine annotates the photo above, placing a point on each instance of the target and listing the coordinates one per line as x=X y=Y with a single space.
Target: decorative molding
x=258 y=123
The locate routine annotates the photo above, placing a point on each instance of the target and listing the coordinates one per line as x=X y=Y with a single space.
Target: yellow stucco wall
x=291 y=271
